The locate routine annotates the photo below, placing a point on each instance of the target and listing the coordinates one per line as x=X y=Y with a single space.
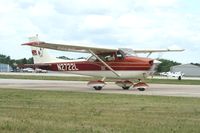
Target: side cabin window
x=92 y=58
x=120 y=55
x=107 y=56
x=110 y=57
x=104 y=56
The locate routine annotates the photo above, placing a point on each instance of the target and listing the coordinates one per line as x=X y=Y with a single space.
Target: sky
x=136 y=24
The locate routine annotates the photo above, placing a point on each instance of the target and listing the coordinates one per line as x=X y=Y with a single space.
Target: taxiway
x=81 y=86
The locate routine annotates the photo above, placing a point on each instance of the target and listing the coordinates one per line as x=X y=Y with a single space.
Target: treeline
x=197 y=64
x=12 y=62
x=165 y=65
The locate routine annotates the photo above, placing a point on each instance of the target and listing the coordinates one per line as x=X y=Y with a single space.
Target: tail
x=40 y=55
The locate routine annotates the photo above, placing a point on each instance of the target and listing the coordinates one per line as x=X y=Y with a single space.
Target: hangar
x=192 y=70
x=4 y=67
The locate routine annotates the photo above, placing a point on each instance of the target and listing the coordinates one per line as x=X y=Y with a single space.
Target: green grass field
x=56 y=111
x=154 y=81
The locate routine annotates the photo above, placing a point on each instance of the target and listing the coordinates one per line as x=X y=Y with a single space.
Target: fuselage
x=124 y=66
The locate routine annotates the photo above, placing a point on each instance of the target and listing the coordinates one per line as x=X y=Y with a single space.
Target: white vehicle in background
x=29 y=70
x=38 y=70
x=178 y=75
x=163 y=74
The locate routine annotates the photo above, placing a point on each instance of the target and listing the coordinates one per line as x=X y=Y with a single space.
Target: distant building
x=4 y=68
x=188 y=69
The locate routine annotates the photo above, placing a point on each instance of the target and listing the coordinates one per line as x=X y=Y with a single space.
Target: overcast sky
x=137 y=24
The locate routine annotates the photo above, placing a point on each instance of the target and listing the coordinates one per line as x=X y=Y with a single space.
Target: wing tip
x=34 y=43
x=178 y=50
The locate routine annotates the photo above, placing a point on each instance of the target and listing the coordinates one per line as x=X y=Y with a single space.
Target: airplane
x=119 y=63
x=177 y=75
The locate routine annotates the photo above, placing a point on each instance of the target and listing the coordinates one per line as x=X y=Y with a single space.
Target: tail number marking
x=67 y=67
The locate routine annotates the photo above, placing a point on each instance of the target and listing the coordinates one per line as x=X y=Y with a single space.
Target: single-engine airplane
x=103 y=62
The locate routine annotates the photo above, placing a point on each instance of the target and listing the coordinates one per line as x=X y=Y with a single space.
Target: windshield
x=127 y=51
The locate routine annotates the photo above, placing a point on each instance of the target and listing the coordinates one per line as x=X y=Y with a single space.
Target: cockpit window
x=127 y=51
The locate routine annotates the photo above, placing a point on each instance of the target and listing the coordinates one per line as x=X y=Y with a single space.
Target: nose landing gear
x=141 y=86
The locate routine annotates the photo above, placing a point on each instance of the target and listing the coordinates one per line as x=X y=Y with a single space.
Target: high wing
x=69 y=47
x=96 y=50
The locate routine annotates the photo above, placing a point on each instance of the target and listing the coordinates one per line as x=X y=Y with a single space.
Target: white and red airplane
x=103 y=62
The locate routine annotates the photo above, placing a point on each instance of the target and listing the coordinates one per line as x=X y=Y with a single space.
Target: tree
x=166 y=65
x=3 y=59
x=12 y=62
x=64 y=58
x=30 y=60
x=196 y=64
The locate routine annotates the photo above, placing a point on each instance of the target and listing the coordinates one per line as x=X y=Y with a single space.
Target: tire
x=98 y=88
x=141 y=89
x=125 y=88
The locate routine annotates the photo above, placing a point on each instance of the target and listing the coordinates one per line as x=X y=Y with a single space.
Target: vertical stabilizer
x=40 y=55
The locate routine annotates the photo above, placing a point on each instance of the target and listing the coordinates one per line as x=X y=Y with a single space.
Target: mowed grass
x=77 y=78
x=33 y=111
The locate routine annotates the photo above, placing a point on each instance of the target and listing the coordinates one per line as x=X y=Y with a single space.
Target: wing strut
x=149 y=54
x=104 y=63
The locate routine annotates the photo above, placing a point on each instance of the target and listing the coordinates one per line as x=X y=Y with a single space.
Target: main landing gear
x=126 y=84
x=97 y=85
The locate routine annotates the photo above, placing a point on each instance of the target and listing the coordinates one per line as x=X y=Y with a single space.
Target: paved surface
x=50 y=73
x=61 y=74
x=81 y=86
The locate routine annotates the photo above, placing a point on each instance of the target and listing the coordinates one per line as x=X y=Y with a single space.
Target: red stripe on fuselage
x=127 y=64
x=91 y=66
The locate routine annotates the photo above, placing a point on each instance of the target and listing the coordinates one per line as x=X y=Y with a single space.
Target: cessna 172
x=103 y=62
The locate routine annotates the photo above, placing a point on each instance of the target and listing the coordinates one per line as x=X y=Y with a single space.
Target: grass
x=154 y=81
x=53 y=111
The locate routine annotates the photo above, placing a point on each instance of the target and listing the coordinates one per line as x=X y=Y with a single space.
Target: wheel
x=125 y=88
x=97 y=87
x=141 y=89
